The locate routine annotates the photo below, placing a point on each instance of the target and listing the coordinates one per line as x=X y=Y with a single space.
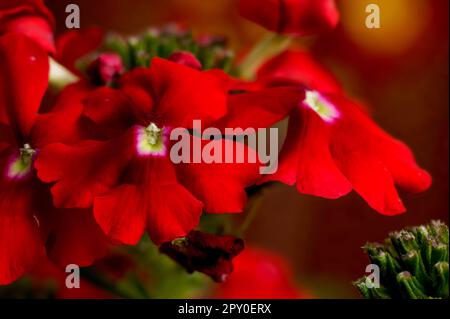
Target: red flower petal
x=360 y=150
x=74 y=237
x=173 y=211
x=328 y=158
x=23 y=81
x=306 y=158
x=35 y=28
x=149 y=196
x=183 y=94
x=85 y=170
x=137 y=88
x=110 y=110
x=154 y=199
x=6 y=137
x=122 y=214
x=261 y=108
x=299 y=17
x=298 y=68
x=225 y=193
x=28 y=7
x=29 y=17
x=394 y=154
x=64 y=123
x=20 y=241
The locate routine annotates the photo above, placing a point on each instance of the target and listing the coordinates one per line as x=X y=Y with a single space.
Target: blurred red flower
x=29 y=17
x=259 y=274
x=298 y=17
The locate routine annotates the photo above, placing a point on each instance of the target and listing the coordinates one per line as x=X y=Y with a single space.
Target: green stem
x=270 y=46
x=251 y=215
x=97 y=279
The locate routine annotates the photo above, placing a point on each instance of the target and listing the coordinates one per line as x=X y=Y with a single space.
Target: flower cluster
x=90 y=168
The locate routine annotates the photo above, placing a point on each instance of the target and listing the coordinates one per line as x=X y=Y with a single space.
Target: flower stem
x=270 y=46
x=251 y=215
x=98 y=280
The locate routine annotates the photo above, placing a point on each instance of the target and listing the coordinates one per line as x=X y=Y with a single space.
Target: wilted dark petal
x=207 y=253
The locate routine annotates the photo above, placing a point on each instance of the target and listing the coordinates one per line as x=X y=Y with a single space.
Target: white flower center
x=319 y=104
x=153 y=134
x=20 y=166
x=151 y=140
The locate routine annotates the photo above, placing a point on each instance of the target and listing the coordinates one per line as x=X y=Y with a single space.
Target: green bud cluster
x=137 y=51
x=413 y=264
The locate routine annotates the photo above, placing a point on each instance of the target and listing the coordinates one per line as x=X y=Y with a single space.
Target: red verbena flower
x=28 y=17
x=128 y=177
x=333 y=147
x=29 y=223
x=298 y=17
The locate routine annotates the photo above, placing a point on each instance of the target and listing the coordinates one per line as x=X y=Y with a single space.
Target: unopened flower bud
x=105 y=69
x=185 y=58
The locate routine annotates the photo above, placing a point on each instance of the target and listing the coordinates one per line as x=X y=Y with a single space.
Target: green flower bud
x=413 y=264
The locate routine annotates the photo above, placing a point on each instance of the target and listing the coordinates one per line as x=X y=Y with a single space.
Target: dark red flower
x=28 y=17
x=333 y=147
x=259 y=274
x=29 y=224
x=129 y=178
x=207 y=253
x=298 y=17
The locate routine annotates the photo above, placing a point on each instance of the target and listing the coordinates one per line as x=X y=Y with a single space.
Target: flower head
x=128 y=178
x=333 y=147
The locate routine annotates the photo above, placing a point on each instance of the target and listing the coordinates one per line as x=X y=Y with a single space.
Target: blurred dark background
x=400 y=70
